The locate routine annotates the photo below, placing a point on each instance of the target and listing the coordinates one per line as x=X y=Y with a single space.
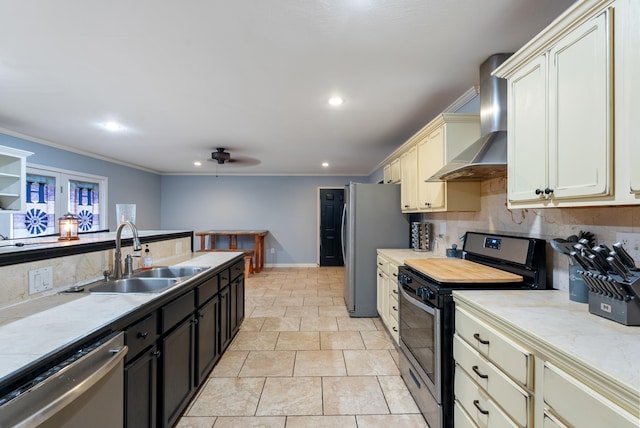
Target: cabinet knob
x=394 y=329
x=548 y=191
x=143 y=334
x=156 y=354
x=539 y=191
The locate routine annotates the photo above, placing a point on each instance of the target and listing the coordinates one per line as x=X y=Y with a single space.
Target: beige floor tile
x=302 y=311
x=254 y=341
x=259 y=301
x=370 y=363
x=377 y=340
x=230 y=364
x=332 y=292
x=268 y=363
x=298 y=340
x=333 y=311
x=385 y=421
x=277 y=293
x=318 y=301
x=251 y=422
x=319 y=363
x=307 y=292
x=252 y=324
x=355 y=324
x=291 y=396
x=196 y=422
x=281 y=324
x=341 y=340
x=319 y=324
x=360 y=395
x=268 y=311
x=288 y=301
x=397 y=395
x=321 y=422
x=228 y=397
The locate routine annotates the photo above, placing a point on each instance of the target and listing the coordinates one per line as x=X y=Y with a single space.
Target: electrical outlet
x=40 y=279
x=178 y=248
x=631 y=243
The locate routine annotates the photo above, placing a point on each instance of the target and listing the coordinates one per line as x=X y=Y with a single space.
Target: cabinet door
x=386 y=174
x=409 y=171
x=177 y=371
x=430 y=160
x=383 y=295
x=395 y=171
x=527 y=132
x=580 y=105
x=225 y=313
x=207 y=339
x=140 y=390
x=239 y=302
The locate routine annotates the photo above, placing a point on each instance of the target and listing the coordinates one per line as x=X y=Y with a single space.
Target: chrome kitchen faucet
x=117 y=263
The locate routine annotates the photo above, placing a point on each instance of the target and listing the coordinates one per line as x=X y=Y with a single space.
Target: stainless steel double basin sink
x=154 y=280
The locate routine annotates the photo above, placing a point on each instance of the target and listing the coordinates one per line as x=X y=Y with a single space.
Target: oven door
x=420 y=339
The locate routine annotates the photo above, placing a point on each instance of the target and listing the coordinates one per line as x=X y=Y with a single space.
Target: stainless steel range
x=490 y=261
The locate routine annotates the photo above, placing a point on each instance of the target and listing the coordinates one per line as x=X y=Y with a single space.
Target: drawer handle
x=394 y=329
x=477 y=404
x=395 y=291
x=379 y=264
x=156 y=354
x=395 y=309
x=476 y=371
x=395 y=274
x=143 y=334
x=380 y=275
x=477 y=337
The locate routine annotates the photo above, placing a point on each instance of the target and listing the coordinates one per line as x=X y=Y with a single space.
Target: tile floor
x=299 y=360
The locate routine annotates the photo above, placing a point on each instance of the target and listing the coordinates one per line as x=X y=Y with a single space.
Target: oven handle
x=429 y=309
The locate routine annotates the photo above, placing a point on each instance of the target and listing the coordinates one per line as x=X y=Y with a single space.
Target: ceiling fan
x=221 y=156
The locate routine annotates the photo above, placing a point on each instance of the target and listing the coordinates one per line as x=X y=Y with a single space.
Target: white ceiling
x=185 y=77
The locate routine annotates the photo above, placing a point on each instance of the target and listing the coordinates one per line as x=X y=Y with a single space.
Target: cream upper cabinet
x=560 y=142
x=430 y=160
x=444 y=138
x=386 y=174
x=391 y=172
x=13 y=173
x=409 y=182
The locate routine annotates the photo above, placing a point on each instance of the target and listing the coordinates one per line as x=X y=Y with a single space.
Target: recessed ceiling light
x=335 y=101
x=197 y=163
x=325 y=164
x=112 y=126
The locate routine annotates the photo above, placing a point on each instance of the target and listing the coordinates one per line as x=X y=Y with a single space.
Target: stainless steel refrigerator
x=371 y=219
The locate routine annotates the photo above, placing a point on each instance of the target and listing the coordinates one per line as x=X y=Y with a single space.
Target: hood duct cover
x=487 y=157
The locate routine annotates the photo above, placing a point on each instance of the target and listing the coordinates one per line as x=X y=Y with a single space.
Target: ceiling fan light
x=335 y=101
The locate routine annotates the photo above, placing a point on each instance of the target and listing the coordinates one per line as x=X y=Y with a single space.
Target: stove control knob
x=405 y=279
x=425 y=293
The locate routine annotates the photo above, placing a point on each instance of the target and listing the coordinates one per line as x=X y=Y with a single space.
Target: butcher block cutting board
x=461 y=271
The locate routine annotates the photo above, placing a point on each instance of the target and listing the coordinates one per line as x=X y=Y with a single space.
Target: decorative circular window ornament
x=36 y=221
x=85 y=220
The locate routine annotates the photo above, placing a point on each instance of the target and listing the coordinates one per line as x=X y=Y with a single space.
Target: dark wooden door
x=207 y=338
x=140 y=390
x=331 y=204
x=177 y=371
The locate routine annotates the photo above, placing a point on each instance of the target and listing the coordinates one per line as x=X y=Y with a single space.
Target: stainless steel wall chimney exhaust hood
x=487 y=157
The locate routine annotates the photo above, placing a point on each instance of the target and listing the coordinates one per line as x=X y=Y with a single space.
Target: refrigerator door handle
x=342 y=230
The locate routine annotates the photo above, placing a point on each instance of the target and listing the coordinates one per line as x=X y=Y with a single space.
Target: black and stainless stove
x=427 y=313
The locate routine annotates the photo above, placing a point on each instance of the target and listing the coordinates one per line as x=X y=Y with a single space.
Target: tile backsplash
x=544 y=223
x=79 y=269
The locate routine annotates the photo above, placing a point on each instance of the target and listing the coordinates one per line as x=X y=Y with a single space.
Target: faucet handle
x=106 y=275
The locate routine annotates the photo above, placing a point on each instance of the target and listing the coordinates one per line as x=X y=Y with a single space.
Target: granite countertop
x=46 y=325
x=552 y=322
x=399 y=255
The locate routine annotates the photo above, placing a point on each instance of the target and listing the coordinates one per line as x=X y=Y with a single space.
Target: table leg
x=202 y=242
x=256 y=252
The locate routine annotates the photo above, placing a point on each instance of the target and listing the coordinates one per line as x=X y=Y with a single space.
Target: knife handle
x=624 y=256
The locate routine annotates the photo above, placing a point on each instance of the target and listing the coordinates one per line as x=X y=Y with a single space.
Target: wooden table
x=258 y=242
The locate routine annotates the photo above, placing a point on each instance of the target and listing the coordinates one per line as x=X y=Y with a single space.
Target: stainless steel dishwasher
x=85 y=390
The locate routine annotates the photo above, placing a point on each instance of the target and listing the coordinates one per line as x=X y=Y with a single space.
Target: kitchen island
x=594 y=358
x=45 y=330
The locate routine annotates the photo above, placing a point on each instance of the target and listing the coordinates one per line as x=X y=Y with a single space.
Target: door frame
x=318 y=213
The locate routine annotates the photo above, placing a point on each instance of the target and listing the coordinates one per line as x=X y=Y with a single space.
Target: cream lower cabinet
x=387 y=295
x=503 y=378
x=493 y=375
x=560 y=114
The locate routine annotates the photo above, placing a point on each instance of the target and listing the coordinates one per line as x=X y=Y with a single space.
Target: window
x=51 y=193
